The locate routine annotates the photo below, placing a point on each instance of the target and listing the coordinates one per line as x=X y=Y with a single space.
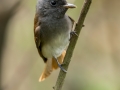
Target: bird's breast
x=56 y=35
x=56 y=46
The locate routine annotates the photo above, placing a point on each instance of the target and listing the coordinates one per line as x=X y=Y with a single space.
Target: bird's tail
x=51 y=64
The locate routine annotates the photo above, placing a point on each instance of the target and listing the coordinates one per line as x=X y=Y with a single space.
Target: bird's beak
x=68 y=5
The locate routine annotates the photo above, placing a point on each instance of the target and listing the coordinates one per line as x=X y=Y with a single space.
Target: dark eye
x=53 y=3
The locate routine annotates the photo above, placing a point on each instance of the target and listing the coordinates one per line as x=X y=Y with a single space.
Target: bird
x=52 y=33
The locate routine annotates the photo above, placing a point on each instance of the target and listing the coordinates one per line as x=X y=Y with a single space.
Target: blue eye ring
x=53 y=3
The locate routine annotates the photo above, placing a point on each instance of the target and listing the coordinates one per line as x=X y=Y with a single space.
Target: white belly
x=56 y=46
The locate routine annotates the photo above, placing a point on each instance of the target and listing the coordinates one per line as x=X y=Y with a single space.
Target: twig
x=72 y=44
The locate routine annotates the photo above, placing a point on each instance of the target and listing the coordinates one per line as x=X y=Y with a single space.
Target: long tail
x=51 y=64
x=47 y=71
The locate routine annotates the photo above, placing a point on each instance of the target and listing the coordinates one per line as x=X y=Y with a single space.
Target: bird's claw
x=60 y=65
x=73 y=33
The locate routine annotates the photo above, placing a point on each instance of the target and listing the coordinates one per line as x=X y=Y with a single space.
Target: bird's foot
x=73 y=33
x=60 y=65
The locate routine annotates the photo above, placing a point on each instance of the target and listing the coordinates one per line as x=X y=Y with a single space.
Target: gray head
x=54 y=8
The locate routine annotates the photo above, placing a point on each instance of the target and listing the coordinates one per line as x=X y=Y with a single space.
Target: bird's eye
x=53 y=3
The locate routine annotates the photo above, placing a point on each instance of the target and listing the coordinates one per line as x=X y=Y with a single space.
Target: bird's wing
x=48 y=68
x=37 y=36
x=73 y=23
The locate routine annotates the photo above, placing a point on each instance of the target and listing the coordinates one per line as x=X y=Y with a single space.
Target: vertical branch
x=72 y=44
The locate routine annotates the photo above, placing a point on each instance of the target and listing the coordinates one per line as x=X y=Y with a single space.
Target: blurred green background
x=95 y=64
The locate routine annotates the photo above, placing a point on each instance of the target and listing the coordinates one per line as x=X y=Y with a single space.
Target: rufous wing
x=37 y=38
x=48 y=67
x=73 y=23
